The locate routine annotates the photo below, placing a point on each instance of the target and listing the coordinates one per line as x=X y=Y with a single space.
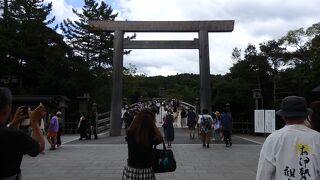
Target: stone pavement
x=74 y=161
x=181 y=137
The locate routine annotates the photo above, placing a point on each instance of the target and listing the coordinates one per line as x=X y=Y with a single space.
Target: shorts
x=52 y=134
x=192 y=126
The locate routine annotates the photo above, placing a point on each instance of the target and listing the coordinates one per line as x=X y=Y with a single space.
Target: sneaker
x=52 y=148
x=207 y=145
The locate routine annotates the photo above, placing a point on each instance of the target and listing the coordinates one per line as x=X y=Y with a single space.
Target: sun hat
x=293 y=106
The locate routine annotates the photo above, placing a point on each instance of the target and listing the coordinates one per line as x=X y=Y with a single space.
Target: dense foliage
x=80 y=61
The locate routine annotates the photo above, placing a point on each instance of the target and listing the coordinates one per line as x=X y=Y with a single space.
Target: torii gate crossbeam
x=120 y=27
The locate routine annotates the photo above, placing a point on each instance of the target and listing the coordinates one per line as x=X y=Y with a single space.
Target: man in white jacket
x=293 y=152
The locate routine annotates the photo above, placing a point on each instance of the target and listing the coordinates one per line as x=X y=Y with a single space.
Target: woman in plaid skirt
x=141 y=136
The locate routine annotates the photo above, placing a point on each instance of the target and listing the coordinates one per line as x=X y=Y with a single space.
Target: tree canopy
x=80 y=61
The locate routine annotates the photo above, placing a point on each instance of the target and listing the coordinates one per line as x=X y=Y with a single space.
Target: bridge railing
x=243 y=126
x=102 y=122
x=187 y=105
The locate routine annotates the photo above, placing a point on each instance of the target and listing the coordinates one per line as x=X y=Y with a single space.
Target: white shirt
x=123 y=110
x=205 y=116
x=290 y=153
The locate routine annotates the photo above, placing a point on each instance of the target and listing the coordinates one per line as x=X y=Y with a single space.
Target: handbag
x=163 y=160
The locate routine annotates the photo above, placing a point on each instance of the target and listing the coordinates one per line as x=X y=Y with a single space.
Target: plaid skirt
x=130 y=173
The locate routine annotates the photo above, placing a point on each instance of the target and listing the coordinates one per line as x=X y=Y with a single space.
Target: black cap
x=293 y=106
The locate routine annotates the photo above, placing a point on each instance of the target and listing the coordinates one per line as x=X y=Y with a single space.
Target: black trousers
x=59 y=138
x=83 y=132
x=94 y=131
x=59 y=134
x=227 y=137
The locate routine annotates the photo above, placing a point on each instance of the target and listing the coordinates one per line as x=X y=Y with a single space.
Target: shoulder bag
x=163 y=160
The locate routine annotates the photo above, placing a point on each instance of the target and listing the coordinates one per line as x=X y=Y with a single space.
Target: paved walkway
x=77 y=160
x=105 y=158
x=181 y=137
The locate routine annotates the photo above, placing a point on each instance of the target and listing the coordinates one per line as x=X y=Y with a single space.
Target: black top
x=83 y=124
x=183 y=114
x=139 y=155
x=13 y=145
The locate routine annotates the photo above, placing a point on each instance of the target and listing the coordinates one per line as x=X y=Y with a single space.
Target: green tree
x=95 y=47
x=273 y=52
x=25 y=42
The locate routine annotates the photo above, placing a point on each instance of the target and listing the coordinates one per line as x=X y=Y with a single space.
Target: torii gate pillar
x=116 y=99
x=204 y=69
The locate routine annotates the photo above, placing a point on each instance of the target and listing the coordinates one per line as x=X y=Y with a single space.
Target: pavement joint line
x=249 y=139
x=108 y=145
x=100 y=134
x=70 y=141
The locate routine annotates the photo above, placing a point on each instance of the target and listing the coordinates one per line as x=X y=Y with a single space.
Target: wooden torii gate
x=120 y=27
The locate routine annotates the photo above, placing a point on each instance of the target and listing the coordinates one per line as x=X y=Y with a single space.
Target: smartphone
x=25 y=112
x=25 y=115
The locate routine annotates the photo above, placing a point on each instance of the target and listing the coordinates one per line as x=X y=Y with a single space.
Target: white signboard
x=259 y=121
x=270 y=121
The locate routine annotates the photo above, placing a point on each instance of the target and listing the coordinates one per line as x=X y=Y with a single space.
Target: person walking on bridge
x=191 y=123
x=205 y=122
x=168 y=128
x=183 y=115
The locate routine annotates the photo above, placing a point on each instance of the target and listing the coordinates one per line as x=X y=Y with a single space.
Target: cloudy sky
x=255 y=22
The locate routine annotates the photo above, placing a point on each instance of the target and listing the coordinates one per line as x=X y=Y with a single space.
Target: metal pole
x=161 y=113
x=116 y=101
x=96 y=118
x=204 y=65
x=257 y=103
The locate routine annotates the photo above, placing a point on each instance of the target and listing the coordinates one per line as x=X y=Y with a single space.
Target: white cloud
x=62 y=10
x=255 y=22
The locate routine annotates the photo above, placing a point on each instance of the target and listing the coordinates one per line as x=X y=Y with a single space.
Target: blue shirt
x=226 y=122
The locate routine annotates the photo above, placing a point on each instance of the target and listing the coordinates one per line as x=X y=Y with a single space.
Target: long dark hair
x=315 y=115
x=143 y=127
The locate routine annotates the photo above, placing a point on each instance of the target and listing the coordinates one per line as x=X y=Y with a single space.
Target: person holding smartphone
x=14 y=143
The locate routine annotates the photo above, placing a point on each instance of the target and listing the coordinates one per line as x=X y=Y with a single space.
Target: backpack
x=205 y=123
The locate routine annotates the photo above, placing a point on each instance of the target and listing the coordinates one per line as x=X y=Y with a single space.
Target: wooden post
x=116 y=100
x=204 y=65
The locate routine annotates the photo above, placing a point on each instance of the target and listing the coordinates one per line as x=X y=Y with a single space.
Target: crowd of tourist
x=207 y=126
x=292 y=152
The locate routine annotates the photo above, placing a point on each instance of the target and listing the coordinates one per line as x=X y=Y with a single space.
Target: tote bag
x=163 y=160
